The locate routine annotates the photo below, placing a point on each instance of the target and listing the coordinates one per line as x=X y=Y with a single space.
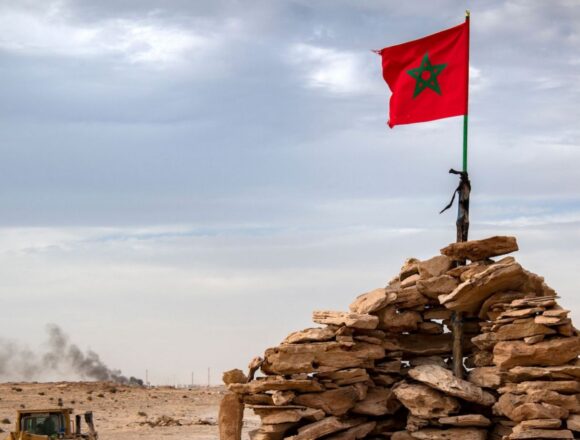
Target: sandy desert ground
x=122 y=412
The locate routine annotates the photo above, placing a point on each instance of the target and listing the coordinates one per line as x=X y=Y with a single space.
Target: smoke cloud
x=59 y=359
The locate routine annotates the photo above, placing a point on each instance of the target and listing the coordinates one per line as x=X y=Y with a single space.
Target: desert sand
x=123 y=412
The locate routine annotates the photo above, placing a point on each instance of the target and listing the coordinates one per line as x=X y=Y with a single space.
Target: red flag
x=428 y=77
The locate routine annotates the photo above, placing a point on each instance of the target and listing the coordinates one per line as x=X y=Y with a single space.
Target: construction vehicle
x=45 y=424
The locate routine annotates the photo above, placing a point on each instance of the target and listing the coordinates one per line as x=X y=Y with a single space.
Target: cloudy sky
x=183 y=182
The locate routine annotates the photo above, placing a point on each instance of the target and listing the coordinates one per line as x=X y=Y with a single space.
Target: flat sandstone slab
x=310 y=335
x=319 y=357
x=450 y=434
x=469 y=295
x=554 y=352
x=324 y=427
x=541 y=433
x=333 y=402
x=276 y=384
x=466 y=420
x=274 y=416
x=372 y=301
x=442 y=379
x=425 y=402
x=355 y=433
x=476 y=250
x=354 y=320
x=563 y=372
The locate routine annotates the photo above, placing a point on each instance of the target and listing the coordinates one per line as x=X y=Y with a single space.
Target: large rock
x=271 y=432
x=434 y=267
x=378 y=402
x=444 y=380
x=433 y=287
x=310 y=335
x=486 y=377
x=333 y=402
x=423 y=401
x=469 y=295
x=410 y=267
x=276 y=384
x=562 y=372
x=538 y=424
x=276 y=415
x=560 y=386
x=526 y=407
x=476 y=250
x=556 y=351
x=529 y=411
x=234 y=376
x=355 y=320
x=521 y=330
x=540 y=433
x=569 y=402
x=450 y=434
x=324 y=427
x=358 y=432
x=348 y=376
x=231 y=417
x=398 y=322
x=409 y=298
x=373 y=301
x=321 y=356
x=573 y=422
x=498 y=298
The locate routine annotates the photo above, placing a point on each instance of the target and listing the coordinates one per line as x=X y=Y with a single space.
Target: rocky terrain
x=124 y=412
x=383 y=369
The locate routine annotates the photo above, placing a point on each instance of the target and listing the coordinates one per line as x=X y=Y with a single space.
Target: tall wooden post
x=462 y=225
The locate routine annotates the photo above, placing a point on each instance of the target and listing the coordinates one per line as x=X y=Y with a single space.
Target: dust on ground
x=125 y=412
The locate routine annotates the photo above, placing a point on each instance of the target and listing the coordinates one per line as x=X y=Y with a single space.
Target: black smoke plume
x=59 y=357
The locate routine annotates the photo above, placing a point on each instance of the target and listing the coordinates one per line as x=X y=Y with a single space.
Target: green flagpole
x=465 y=143
x=462 y=224
x=465 y=117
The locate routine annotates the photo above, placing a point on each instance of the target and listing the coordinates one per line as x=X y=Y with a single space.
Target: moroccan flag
x=428 y=77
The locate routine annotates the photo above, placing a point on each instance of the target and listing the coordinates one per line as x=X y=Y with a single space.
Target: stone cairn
x=382 y=370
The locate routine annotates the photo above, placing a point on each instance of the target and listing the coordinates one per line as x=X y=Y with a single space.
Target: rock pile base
x=382 y=369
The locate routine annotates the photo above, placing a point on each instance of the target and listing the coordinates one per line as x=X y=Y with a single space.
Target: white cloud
x=567 y=218
x=334 y=70
x=540 y=22
x=52 y=32
x=477 y=81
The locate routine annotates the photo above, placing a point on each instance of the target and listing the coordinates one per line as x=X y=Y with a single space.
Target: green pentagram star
x=426 y=76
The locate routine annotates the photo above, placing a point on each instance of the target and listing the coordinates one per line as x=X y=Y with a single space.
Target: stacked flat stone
x=532 y=349
x=382 y=370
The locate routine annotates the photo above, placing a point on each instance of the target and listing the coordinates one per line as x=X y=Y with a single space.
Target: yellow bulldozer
x=49 y=424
